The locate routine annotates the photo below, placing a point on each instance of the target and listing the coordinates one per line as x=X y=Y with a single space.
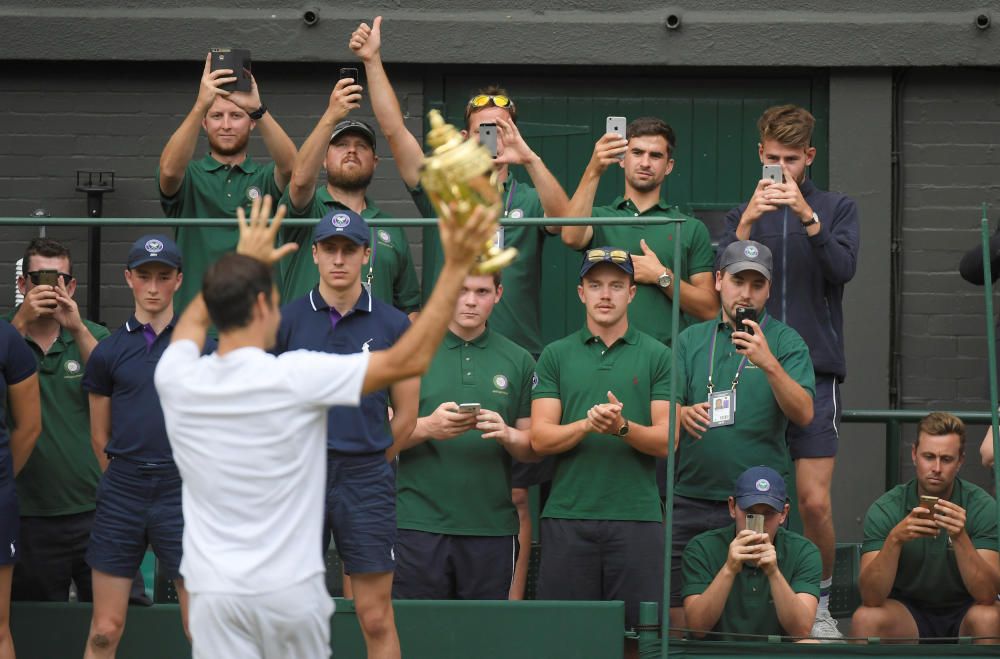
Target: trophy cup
x=460 y=172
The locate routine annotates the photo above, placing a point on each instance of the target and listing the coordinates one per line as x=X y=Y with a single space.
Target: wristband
x=258 y=113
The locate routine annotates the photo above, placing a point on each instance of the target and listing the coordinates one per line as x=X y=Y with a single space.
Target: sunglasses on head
x=48 y=277
x=613 y=255
x=482 y=100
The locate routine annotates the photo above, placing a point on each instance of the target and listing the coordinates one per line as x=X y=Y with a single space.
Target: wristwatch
x=624 y=429
x=813 y=220
x=664 y=280
x=258 y=113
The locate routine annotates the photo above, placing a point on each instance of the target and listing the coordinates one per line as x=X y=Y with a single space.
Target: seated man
x=929 y=563
x=741 y=581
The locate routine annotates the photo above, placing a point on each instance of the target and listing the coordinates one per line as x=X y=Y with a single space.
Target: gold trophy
x=460 y=171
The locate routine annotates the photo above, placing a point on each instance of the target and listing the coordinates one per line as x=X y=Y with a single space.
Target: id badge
x=722 y=408
x=498 y=238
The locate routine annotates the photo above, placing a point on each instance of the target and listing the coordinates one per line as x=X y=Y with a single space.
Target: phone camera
x=310 y=16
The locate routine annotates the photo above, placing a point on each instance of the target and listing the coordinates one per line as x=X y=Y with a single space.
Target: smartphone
x=469 y=408
x=745 y=313
x=616 y=125
x=773 y=173
x=488 y=137
x=48 y=277
x=755 y=523
x=237 y=59
x=928 y=502
x=350 y=72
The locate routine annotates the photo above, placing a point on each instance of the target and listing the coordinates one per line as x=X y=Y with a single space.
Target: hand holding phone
x=927 y=502
x=350 y=72
x=745 y=313
x=237 y=59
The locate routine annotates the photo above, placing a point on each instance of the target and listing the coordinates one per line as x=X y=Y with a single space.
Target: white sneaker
x=825 y=626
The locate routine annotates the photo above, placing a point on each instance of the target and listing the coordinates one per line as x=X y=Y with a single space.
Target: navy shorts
x=138 y=505
x=819 y=438
x=361 y=511
x=10 y=524
x=437 y=566
x=585 y=559
x=691 y=517
x=938 y=622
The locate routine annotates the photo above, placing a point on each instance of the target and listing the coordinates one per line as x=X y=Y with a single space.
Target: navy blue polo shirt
x=307 y=324
x=121 y=367
x=18 y=364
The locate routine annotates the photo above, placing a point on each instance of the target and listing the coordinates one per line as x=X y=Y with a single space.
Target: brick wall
x=59 y=118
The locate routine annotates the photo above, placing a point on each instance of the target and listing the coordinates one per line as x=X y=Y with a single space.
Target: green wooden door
x=713 y=115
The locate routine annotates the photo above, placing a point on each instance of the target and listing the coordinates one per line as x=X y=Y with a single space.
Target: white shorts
x=285 y=624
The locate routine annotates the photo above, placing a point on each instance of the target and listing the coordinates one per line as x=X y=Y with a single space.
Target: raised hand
x=462 y=243
x=648 y=266
x=258 y=234
x=211 y=84
x=366 y=42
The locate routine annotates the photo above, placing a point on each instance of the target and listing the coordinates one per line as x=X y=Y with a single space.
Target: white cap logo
x=763 y=485
x=153 y=246
x=340 y=220
x=750 y=252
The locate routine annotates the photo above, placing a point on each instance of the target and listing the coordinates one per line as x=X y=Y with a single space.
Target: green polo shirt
x=394 y=281
x=750 y=607
x=212 y=189
x=461 y=486
x=603 y=477
x=518 y=316
x=927 y=573
x=61 y=476
x=708 y=467
x=651 y=309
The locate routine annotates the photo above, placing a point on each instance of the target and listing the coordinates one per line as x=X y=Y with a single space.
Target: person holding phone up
x=815 y=237
x=760 y=369
x=458 y=527
x=929 y=561
x=743 y=580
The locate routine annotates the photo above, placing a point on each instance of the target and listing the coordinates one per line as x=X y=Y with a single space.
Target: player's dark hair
x=230 y=288
x=652 y=126
x=45 y=247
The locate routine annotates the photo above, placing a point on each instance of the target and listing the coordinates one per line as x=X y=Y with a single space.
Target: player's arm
x=366 y=42
x=25 y=406
x=346 y=96
x=405 y=397
x=181 y=145
x=548 y=436
x=100 y=427
x=412 y=354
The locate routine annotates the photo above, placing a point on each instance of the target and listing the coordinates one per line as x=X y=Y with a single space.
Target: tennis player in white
x=248 y=434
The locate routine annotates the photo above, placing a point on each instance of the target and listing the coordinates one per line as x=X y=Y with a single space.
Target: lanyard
x=510 y=197
x=739 y=369
x=371 y=259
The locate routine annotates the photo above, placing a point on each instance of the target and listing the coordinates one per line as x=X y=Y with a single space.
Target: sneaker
x=825 y=626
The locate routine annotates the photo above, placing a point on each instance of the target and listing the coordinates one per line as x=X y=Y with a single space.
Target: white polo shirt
x=248 y=433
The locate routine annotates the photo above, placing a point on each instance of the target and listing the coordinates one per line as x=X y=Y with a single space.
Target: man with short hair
x=249 y=435
x=929 y=562
x=139 y=499
x=741 y=382
x=340 y=315
x=738 y=580
x=457 y=524
x=817 y=236
x=226 y=178
x=600 y=405
x=346 y=149
x=57 y=487
x=647 y=161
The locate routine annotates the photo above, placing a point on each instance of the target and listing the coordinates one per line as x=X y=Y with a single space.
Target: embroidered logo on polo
x=365 y=347
x=341 y=221
x=516 y=214
x=383 y=235
x=750 y=252
x=763 y=485
x=72 y=367
x=253 y=193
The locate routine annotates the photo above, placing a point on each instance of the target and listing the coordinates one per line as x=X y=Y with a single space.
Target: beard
x=239 y=146
x=645 y=186
x=355 y=180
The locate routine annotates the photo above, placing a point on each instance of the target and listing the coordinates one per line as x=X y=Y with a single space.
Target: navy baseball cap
x=344 y=223
x=614 y=255
x=760 y=485
x=354 y=126
x=747 y=255
x=155 y=248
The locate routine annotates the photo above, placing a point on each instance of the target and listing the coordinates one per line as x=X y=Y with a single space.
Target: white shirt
x=248 y=432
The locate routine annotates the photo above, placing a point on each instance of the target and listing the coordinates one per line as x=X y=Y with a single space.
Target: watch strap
x=258 y=113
